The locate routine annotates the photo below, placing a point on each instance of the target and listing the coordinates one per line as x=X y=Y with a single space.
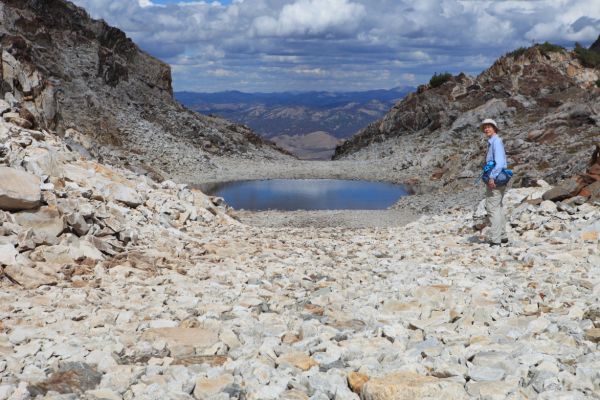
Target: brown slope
x=72 y=72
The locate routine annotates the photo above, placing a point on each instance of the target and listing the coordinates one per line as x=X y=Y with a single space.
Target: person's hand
x=491 y=184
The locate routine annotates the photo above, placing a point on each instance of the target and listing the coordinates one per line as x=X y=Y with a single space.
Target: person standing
x=494 y=191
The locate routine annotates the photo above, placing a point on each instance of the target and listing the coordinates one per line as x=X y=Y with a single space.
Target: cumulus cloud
x=311 y=18
x=273 y=45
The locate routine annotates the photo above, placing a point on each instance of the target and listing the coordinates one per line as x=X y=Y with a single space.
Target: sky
x=338 y=45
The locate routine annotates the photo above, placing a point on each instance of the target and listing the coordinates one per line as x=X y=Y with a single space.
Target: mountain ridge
x=296 y=113
x=544 y=99
x=85 y=79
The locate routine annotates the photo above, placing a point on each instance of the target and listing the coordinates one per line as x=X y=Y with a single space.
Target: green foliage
x=518 y=52
x=439 y=79
x=598 y=83
x=588 y=58
x=546 y=48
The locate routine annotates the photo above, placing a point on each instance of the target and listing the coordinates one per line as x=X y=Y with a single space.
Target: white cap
x=489 y=121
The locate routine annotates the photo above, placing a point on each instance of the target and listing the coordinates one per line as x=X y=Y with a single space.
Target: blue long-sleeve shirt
x=497 y=154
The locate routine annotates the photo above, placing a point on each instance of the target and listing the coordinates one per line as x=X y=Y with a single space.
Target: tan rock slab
x=53 y=254
x=182 y=341
x=17 y=120
x=213 y=361
x=294 y=395
x=591 y=236
x=410 y=309
x=207 y=388
x=298 y=360
x=593 y=335
x=356 y=381
x=46 y=221
x=29 y=277
x=410 y=386
x=19 y=190
x=103 y=394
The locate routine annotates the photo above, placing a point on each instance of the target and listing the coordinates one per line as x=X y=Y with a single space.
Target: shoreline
x=430 y=198
x=239 y=170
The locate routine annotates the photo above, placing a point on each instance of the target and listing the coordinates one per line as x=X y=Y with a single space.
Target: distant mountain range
x=335 y=115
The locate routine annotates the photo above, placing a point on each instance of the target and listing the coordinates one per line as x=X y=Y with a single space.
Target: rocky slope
x=114 y=286
x=547 y=105
x=312 y=146
x=63 y=70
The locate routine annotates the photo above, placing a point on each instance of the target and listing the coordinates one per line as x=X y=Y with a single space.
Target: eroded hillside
x=64 y=70
x=546 y=102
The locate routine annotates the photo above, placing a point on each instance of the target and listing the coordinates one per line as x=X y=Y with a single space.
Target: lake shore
x=327 y=218
x=430 y=198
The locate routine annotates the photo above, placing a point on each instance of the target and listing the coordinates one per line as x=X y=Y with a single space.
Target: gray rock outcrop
x=546 y=103
x=61 y=70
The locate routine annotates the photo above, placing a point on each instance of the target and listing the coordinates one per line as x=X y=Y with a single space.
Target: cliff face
x=546 y=102
x=88 y=81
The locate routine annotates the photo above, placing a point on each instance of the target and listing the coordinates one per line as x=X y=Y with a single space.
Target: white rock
x=19 y=190
x=6 y=390
x=8 y=254
x=20 y=335
x=480 y=373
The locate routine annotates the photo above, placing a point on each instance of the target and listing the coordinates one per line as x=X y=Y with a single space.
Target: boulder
x=593 y=335
x=356 y=381
x=208 y=388
x=19 y=190
x=53 y=254
x=40 y=161
x=298 y=360
x=8 y=254
x=4 y=107
x=125 y=194
x=594 y=191
x=45 y=221
x=182 y=341
x=30 y=277
x=410 y=386
x=16 y=119
x=77 y=223
x=568 y=188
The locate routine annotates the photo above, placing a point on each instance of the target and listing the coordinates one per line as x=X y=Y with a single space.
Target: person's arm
x=499 y=158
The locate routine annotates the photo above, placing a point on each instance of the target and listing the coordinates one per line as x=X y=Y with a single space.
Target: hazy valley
x=287 y=118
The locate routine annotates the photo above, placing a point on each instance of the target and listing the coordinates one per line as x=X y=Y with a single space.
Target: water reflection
x=308 y=194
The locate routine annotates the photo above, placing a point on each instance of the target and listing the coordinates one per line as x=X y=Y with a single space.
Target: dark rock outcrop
x=64 y=70
x=596 y=45
x=585 y=185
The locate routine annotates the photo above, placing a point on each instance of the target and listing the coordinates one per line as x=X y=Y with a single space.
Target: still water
x=308 y=194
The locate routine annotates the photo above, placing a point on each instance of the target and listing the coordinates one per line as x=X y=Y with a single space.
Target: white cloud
x=408 y=78
x=309 y=71
x=145 y=3
x=311 y=17
x=332 y=44
x=279 y=58
x=220 y=72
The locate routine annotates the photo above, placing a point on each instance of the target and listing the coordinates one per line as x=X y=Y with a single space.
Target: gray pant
x=495 y=212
